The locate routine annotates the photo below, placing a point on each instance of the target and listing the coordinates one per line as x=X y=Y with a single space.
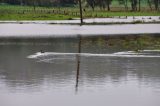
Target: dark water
x=52 y=79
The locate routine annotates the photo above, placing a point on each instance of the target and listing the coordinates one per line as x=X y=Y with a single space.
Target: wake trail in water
x=129 y=54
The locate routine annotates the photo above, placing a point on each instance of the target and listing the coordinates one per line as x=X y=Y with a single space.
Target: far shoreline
x=93 y=21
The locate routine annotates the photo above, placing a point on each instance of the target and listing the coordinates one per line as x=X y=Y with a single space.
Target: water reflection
x=15 y=68
x=78 y=63
x=78 y=73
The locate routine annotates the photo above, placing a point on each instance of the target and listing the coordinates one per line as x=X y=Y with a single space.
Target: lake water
x=107 y=72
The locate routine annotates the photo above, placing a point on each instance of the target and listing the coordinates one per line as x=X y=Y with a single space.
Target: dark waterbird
x=41 y=51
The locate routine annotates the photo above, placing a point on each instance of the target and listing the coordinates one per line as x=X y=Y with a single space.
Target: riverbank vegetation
x=68 y=9
x=133 y=5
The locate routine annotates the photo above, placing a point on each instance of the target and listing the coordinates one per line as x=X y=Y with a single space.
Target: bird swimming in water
x=41 y=51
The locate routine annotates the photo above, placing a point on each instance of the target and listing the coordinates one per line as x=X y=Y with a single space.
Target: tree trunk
x=126 y=5
x=108 y=6
x=139 y=5
x=156 y=4
x=34 y=7
x=149 y=3
x=81 y=14
x=134 y=5
x=92 y=8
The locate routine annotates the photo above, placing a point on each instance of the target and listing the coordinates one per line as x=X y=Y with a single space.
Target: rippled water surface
x=51 y=72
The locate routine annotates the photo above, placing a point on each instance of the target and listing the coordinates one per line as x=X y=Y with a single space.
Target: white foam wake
x=56 y=55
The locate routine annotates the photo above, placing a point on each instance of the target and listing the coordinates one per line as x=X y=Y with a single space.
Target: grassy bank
x=31 y=16
x=8 y=12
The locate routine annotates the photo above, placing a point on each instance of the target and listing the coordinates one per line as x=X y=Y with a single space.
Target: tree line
x=39 y=2
x=134 y=4
x=102 y=4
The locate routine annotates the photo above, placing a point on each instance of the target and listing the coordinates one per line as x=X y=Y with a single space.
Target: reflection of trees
x=18 y=70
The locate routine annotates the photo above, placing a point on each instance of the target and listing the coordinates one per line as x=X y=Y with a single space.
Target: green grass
x=120 y=13
x=10 y=12
x=34 y=17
